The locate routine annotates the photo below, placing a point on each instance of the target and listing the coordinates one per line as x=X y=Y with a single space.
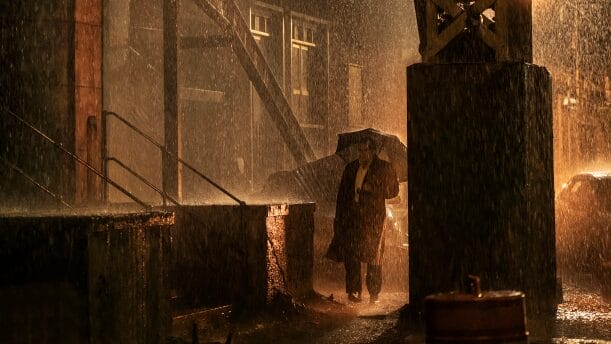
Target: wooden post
x=87 y=94
x=511 y=39
x=519 y=30
x=93 y=159
x=172 y=126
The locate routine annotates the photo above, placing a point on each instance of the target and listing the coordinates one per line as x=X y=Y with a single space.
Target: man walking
x=359 y=219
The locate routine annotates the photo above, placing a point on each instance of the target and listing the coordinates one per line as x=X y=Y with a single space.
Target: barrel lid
x=493 y=295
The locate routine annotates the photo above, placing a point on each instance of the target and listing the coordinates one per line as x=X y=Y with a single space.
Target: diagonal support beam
x=440 y=41
x=481 y=5
x=449 y=6
x=489 y=37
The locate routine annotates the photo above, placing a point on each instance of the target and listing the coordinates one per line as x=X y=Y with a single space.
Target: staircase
x=227 y=15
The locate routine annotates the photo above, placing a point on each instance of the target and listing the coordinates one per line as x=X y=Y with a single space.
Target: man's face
x=365 y=154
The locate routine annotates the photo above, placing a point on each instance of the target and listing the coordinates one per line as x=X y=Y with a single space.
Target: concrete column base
x=481 y=197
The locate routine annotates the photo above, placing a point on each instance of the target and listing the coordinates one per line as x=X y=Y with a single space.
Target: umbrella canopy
x=390 y=147
x=319 y=180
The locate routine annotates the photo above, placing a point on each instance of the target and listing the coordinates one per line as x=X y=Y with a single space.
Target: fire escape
x=227 y=15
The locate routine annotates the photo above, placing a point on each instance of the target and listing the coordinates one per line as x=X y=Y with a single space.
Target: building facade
x=332 y=59
x=68 y=63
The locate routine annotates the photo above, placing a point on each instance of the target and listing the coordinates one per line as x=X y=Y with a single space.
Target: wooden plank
x=501 y=30
x=489 y=37
x=449 y=6
x=519 y=30
x=457 y=26
x=482 y=5
x=87 y=95
x=171 y=169
x=431 y=29
x=88 y=12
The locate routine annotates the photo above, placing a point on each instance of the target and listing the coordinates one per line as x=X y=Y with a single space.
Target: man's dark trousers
x=373 y=278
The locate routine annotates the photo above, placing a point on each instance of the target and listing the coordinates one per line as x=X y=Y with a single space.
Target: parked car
x=583 y=224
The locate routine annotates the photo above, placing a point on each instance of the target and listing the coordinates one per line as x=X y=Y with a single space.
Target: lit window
x=303 y=34
x=260 y=24
x=303 y=52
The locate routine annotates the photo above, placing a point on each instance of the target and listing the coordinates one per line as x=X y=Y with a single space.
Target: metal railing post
x=104 y=142
x=173 y=156
x=61 y=147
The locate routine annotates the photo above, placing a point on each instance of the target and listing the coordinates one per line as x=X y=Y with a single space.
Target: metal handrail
x=60 y=146
x=162 y=193
x=164 y=150
x=37 y=184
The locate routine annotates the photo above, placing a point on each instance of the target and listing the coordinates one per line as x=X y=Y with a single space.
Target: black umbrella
x=394 y=148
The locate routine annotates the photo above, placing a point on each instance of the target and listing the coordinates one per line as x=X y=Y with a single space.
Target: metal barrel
x=490 y=317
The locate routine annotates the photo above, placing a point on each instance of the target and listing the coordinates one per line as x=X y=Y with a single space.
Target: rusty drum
x=483 y=317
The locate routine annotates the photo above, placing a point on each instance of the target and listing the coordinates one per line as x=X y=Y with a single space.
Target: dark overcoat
x=358 y=227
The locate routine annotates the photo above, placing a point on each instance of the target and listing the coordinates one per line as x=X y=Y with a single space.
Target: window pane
x=304 y=70
x=310 y=35
x=295 y=74
x=298 y=32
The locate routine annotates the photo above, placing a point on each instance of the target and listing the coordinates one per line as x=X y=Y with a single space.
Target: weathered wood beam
x=482 y=5
x=449 y=6
x=171 y=169
x=489 y=37
x=439 y=42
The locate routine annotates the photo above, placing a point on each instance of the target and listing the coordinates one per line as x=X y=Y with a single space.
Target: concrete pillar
x=481 y=196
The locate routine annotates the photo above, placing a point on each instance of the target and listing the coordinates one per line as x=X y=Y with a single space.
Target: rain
x=170 y=170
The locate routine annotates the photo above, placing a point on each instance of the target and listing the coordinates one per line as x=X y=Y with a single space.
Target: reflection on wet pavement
x=583 y=318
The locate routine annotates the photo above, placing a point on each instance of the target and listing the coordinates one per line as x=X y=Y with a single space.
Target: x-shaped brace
x=460 y=14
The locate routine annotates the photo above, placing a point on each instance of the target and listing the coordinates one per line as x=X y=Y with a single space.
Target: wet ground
x=582 y=318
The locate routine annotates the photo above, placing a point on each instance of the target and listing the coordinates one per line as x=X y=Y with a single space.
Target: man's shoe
x=355 y=297
x=373 y=299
